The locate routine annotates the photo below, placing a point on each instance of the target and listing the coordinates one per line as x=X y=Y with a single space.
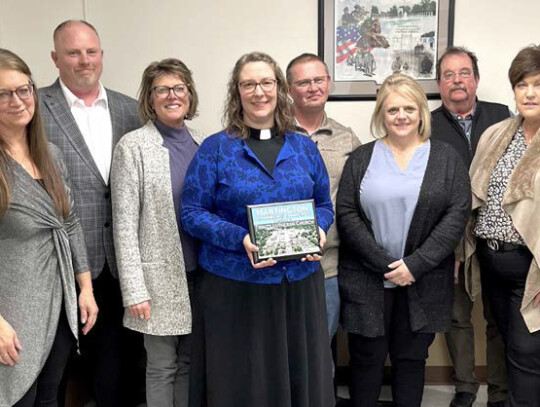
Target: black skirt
x=260 y=345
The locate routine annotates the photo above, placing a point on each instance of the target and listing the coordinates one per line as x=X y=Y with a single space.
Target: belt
x=500 y=246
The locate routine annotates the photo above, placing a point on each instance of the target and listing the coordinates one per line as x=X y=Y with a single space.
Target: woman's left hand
x=322 y=242
x=250 y=248
x=88 y=308
x=400 y=273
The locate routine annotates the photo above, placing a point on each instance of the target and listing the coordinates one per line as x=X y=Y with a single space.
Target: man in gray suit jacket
x=85 y=121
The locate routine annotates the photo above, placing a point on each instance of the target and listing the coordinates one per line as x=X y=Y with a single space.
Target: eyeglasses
x=267 y=85
x=304 y=83
x=23 y=92
x=163 y=92
x=463 y=74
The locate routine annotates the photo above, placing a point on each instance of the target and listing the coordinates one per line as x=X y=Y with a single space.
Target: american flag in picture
x=346 y=36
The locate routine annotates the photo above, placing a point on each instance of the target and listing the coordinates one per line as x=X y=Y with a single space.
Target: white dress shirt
x=94 y=122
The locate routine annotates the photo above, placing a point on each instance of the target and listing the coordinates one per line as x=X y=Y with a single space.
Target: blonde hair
x=408 y=88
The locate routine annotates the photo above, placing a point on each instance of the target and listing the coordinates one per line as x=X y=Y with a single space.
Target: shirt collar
x=323 y=128
x=73 y=100
x=459 y=117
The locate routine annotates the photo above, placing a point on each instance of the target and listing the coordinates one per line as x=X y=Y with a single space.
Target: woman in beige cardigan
x=156 y=259
x=503 y=238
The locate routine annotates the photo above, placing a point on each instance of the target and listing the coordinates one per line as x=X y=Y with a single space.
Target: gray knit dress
x=40 y=253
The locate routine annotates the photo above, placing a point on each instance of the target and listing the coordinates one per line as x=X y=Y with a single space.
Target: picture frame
x=362 y=42
x=284 y=230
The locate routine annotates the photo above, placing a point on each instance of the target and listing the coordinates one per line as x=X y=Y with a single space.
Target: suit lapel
x=56 y=102
x=116 y=117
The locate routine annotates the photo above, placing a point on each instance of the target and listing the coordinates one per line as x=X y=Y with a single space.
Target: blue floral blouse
x=224 y=177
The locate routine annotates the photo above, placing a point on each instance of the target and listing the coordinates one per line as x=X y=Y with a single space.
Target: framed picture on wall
x=363 y=42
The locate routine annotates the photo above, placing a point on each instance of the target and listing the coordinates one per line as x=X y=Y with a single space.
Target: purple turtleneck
x=181 y=148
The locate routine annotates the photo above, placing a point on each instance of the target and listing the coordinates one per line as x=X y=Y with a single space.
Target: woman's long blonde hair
x=37 y=146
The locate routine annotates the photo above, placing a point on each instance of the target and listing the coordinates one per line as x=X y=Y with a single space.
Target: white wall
x=210 y=35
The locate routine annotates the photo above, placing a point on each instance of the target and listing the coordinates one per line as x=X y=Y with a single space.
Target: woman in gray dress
x=41 y=250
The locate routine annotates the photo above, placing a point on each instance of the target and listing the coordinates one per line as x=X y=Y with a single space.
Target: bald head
x=69 y=23
x=78 y=56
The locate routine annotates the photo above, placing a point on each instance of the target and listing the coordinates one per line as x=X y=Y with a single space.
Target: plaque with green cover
x=283 y=230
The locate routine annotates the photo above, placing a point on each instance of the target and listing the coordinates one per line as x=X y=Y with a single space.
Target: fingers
x=146 y=312
x=7 y=358
x=395 y=264
x=8 y=353
x=17 y=343
x=400 y=276
x=9 y=344
x=250 y=248
x=140 y=311
x=92 y=314
x=264 y=263
x=311 y=257
x=84 y=315
x=132 y=311
x=322 y=238
x=88 y=317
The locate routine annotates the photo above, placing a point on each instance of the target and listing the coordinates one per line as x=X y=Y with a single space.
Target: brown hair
x=526 y=62
x=302 y=59
x=233 y=112
x=409 y=88
x=458 y=51
x=37 y=145
x=170 y=66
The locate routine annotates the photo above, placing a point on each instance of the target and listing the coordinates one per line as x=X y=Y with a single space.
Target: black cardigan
x=437 y=225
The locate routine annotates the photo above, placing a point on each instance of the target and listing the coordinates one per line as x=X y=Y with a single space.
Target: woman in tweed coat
x=156 y=260
x=42 y=250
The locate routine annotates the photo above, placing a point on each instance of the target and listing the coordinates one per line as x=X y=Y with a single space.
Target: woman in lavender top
x=402 y=206
x=156 y=259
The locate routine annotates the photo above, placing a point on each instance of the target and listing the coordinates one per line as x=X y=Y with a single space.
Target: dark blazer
x=92 y=194
x=436 y=228
x=445 y=128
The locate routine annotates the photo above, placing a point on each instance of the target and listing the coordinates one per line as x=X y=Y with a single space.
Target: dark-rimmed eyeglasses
x=163 y=92
x=23 y=92
x=267 y=85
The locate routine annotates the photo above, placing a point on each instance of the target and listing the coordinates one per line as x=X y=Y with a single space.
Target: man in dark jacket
x=460 y=121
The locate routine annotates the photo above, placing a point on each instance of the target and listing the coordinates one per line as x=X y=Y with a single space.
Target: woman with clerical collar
x=260 y=338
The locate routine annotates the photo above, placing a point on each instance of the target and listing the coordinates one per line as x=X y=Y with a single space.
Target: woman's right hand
x=9 y=344
x=250 y=248
x=141 y=310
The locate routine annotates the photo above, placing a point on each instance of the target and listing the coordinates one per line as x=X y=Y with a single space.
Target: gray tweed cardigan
x=436 y=228
x=148 y=250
